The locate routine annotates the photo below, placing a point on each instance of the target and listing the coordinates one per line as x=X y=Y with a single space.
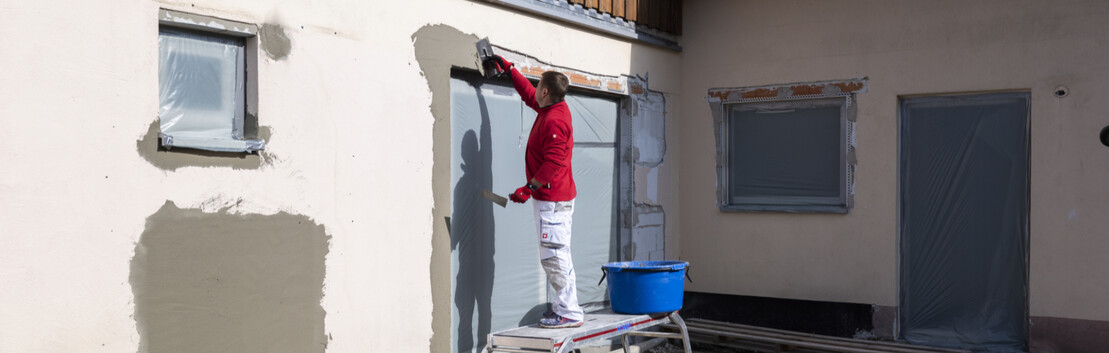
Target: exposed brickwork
x=786 y=91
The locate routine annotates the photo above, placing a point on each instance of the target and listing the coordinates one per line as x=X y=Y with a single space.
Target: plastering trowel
x=497 y=199
x=485 y=53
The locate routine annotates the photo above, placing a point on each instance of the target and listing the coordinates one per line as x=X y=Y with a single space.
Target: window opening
x=787 y=155
x=202 y=91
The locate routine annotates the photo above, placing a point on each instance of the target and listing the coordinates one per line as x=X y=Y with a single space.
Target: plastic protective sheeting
x=497 y=282
x=594 y=119
x=787 y=154
x=201 y=92
x=964 y=221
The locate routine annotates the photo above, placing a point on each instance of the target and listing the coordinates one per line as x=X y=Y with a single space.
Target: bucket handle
x=604 y=273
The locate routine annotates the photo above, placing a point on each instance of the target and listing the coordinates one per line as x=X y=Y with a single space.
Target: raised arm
x=523 y=86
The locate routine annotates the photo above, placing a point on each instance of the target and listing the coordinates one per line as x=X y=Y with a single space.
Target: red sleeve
x=524 y=88
x=556 y=150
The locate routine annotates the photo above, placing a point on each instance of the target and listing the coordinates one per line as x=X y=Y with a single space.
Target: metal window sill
x=215 y=145
x=839 y=209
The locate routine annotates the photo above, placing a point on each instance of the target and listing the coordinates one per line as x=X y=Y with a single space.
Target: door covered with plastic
x=964 y=221
x=497 y=282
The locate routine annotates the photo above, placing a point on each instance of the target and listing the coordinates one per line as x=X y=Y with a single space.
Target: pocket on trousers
x=554 y=233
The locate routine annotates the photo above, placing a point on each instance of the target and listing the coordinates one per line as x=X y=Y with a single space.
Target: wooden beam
x=664 y=20
x=618 y=8
x=606 y=6
x=655 y=13
x=673 y=9
x=678 y=18
x=632 y=9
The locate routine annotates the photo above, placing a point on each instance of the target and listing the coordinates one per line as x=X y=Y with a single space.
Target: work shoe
x=558 y=322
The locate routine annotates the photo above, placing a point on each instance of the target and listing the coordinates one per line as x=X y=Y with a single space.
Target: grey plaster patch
x=171 y=160
x=438 y=48
x=884 y=319
x=220 y=282
x=648 y=215
x=647 y=112
x=274 y=41
x=629 y=251
x=647 y=224
x=643 y=142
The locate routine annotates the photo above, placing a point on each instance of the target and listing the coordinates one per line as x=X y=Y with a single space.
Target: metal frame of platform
x=598 y=326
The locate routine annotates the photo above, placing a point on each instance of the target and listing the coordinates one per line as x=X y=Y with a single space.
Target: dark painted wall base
x=823 y=318
x=1056 y=335
x=1048 y=334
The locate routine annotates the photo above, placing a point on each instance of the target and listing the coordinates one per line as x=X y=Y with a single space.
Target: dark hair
x=556 y=84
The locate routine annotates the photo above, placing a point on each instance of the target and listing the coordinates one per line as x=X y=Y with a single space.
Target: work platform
x=601 y=325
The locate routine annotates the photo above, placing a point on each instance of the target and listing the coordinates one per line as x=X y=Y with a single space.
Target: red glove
x=502 y=64
x=522 y=194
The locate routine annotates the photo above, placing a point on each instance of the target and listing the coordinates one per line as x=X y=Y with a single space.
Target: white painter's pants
x=553 y=221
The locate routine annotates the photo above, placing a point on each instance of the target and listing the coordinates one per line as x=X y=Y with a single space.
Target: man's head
x=551 y=89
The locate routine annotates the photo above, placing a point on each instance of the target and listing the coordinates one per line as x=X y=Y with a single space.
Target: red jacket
x=550 y=146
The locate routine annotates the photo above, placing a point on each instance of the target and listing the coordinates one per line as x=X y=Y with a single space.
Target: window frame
x=788 y=96
x=788 y=203
x=218 y=30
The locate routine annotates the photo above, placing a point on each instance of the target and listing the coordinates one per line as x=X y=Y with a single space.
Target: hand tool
x=497 y=199
x=485 y=54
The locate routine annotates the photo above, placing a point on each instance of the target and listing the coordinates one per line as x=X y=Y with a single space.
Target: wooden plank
x=665 y=16
x=591 y=4
x=579 y=2
x=644 y=12
x=664 y=13
x=606 y=6
x=675 y=15
x=632 y=9
x=618 y=8
x=655 y=13
x=671 y=16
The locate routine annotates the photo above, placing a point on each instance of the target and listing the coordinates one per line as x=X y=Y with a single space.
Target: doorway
x=964 y=206
x=496 y=279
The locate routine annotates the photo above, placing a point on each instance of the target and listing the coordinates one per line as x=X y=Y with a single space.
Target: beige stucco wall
x=351 y=149
x=905 y=48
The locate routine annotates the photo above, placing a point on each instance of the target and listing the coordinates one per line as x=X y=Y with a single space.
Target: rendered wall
x=347 y=114
x=905 y=48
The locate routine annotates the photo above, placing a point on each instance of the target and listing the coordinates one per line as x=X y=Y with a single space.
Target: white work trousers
x=553 y=220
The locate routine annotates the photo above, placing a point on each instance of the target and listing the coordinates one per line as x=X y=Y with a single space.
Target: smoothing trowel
x=497 y=199
x=485 y=54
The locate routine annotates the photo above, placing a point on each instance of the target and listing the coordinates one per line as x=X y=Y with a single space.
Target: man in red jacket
x=551 y=182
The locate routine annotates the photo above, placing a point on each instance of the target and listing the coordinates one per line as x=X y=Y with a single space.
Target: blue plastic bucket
x=644 y=287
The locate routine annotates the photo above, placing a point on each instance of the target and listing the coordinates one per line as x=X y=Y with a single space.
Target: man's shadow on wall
x=472 y=233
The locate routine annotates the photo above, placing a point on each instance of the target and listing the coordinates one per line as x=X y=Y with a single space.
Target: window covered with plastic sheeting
x=202 y=92
x=497 y=280
x=787 y=156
